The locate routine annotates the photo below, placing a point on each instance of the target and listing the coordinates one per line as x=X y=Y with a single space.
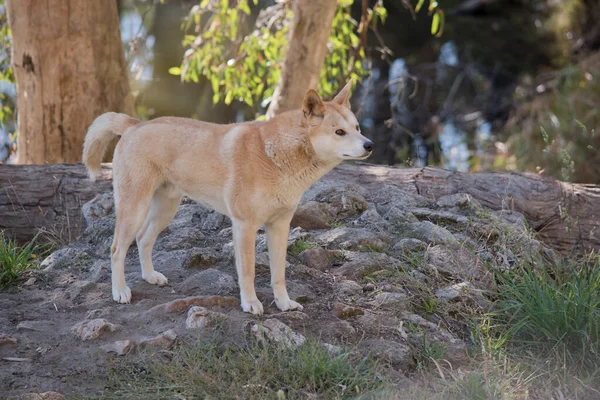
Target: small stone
x=369 y=287
x=398 y=215
x=370 y=218
x=429 y=233
x=355 y=239
x=180 y=305
x=30 y=282
x=277 y=331
x=454 y=292
x=98 y=313
x=17 y=359
x=391 y=299
x=93 y=328
x=165 y=339
x=344 y=311
x=409 y=245
x=319 y=258
x=202 y=258
x=348 y=288
x=396 y=353
x=201 y=318
x=120 y=347
x=456 y=352
x=358 y=265
x=459 y=200
x=313 y=215
x=228 y=251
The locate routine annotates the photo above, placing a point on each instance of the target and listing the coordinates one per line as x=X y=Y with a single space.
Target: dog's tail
x=98 y=138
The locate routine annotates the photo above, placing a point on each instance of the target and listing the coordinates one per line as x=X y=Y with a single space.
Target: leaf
x=437 y=23
x=175 y=70
x=419 y=5
x=204 y=3
x=229 y=97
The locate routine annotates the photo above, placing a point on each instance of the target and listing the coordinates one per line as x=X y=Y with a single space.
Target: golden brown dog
x=253 y=172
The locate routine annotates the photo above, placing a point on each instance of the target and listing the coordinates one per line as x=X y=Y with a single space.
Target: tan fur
x=254 y=172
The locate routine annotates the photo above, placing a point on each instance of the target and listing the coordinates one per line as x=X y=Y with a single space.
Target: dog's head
x=333 y=128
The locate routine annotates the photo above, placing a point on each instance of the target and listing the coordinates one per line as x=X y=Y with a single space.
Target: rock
x=318 y=258
x=228 y=251
x=358 y=265
x=337 y=328
x=120 y=347
x=313 y=215
x=294 y=316
x=428 y=232
x=43 y=396
x=36 y=326
x=355 y=239
x=344 y=311
x=439 y=216
x=276 y=331
x=78 y=288
x=369 y=287
x=397 y=354
x=202 y=258
x=458 y=263
x=214 y=221
x=391 y=299
x=514 y=219
x=399 y=215
x=201 y=318
x=460 y=201
x=99 y=207
x=181 y=239
x=98 y=313
x=7 y=340
x=371 y=218
x=165 y=340
x=210 y=282
x=462 y=291
x=346 y=200
x=409 y=245
x=92 y=329
x=68 y=257
x=417 y=320
x=180 y=305
x=226 y=233
x=347 y=288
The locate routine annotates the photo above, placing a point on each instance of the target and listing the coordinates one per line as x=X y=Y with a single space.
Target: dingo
x=253 y=172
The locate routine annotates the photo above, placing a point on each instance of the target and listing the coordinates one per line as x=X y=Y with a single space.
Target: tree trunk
x=70 y=67
x=305 y=55
x=566 y=216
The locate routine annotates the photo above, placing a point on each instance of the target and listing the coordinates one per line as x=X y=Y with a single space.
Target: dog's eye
x=340 y=132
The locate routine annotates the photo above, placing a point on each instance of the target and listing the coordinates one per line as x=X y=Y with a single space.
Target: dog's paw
x=155 y=278
x=252 y=306
x=288 y=305
x=122 y=296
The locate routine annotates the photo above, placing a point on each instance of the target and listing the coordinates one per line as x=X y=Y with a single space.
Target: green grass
x=299 y=246
x=17 y=261
x=551 y=310
x=216 y=369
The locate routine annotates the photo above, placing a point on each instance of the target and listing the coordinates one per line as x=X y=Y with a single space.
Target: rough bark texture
x=305 y=55
x=567 y=216
x=69 y=67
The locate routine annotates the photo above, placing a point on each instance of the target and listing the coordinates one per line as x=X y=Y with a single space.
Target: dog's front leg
x=244 y=240
x=277 y=238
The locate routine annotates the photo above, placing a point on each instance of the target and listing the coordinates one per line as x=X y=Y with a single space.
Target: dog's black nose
x=368 y=145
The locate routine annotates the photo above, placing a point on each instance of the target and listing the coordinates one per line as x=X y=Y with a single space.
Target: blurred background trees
x=505 y=85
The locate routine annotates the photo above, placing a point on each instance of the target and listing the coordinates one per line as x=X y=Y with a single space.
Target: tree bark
x=565 y=215
x=69 y=67
x=305 y=55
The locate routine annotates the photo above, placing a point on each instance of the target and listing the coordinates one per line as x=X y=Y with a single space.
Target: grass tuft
x=216 y=369
x=17 y=261
x=551 y=310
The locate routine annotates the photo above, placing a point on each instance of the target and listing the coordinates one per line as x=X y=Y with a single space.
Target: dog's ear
x=343 y=97
x=313 y=106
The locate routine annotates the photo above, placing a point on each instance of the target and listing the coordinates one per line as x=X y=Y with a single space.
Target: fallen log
x=565 y=215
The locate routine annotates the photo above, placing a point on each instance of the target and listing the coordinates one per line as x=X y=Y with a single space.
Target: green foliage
x=16 y=261
x=299 y=246
x=216 y=369
x=553 y=310
x=6 y=71
x=246 y=65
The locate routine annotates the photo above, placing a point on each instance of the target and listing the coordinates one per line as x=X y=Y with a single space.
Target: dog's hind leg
x=132 y=201
x=165 y=203
x=277 y=239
